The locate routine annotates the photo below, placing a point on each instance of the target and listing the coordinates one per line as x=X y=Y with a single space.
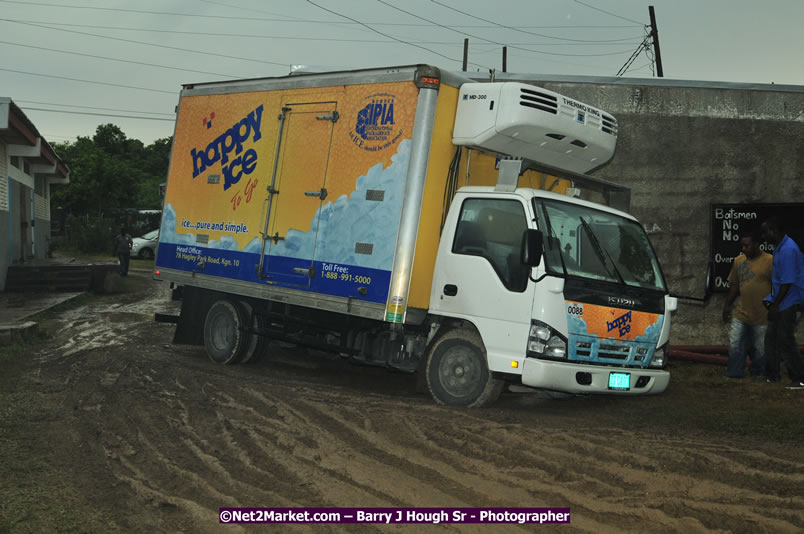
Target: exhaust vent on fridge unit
x=538 y=100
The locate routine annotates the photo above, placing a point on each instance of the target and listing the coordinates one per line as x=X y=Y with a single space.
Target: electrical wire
x=495 y=42
x=606 y=12
x=92 y=107
x=389 y=36
x=143 y=43
x=98 y=114
x=527 y=32
x=223 y=17
x=299 y=38
x=118 y=59
x=90 y=81
x=643 y=46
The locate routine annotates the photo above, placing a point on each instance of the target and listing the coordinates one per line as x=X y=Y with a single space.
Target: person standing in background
x=783 y=303
x=750 y=280
x=122 y=247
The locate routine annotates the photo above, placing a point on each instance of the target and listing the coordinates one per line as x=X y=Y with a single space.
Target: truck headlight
x=545 y=342
x=659 y=357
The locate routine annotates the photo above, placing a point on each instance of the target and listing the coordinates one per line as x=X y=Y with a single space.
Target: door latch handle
x=450 y=290
x=322 y=194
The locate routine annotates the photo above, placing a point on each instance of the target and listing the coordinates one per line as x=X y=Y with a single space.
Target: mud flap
x=194 y=307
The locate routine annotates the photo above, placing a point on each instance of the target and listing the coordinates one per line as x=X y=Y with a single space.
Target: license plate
x=620 y=381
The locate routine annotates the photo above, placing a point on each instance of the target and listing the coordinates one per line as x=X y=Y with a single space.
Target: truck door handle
x=450 y=290
x=322 y=194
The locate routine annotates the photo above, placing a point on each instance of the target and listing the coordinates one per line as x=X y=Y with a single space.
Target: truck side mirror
x=532 y=247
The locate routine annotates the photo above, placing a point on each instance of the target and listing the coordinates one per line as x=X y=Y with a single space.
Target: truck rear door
x=303 y=159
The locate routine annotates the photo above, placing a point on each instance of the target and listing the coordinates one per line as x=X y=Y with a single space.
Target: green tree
x=110 y=172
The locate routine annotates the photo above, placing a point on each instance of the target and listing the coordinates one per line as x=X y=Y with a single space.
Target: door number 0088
x=575 y=309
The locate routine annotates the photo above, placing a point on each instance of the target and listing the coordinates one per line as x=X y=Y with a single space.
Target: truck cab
x=566 y=295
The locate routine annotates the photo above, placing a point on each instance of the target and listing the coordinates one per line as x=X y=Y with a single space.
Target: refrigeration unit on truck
x=411 y=218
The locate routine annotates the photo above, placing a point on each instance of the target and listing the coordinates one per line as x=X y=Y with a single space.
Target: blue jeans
x=741 y=336
x=124 y=258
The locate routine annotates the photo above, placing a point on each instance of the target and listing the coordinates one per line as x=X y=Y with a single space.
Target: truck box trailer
x=412 y=218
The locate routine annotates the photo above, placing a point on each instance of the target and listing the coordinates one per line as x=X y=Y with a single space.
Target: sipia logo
x=231 y=140
x=375 y=127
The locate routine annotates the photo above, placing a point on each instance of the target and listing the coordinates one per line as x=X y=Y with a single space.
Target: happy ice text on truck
x=415 y=219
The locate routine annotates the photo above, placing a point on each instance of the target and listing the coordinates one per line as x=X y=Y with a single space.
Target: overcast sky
x=59 y=54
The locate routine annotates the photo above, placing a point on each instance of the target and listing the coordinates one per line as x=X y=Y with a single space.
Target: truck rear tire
x=256 y=344
x=457 y=371
x=224 y=338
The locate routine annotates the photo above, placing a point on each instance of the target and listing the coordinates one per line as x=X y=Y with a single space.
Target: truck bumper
x=580 y=378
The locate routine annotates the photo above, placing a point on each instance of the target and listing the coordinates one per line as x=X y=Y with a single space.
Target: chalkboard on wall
x=730 y=221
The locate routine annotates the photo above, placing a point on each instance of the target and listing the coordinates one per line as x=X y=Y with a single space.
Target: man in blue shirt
x=785 y=300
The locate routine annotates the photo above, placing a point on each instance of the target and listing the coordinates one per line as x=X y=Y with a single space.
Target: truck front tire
x=457 y=372
x=224 y=338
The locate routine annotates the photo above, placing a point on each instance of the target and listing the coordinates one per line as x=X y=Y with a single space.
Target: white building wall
x=20 y=176
x=41 y=207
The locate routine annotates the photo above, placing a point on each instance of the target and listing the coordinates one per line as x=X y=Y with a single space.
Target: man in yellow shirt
x=750 y=279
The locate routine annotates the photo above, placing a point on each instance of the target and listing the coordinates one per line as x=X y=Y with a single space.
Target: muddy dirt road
x=107 y=427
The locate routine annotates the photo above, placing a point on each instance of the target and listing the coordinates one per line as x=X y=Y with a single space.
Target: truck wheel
x=457 y=371
x=223 y=337
x=255 y=344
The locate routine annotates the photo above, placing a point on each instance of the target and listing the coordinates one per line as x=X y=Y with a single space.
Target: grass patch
x=137 y=263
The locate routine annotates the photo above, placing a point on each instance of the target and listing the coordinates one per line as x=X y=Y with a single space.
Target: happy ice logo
x=375 y=126
x=231 y=140
x=622 y=323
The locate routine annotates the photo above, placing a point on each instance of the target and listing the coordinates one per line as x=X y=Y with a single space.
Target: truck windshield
x=589 y=243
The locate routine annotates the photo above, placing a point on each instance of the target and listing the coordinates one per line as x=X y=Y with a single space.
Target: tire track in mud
x=348 y=452
x=601 y=465
x=183 y=437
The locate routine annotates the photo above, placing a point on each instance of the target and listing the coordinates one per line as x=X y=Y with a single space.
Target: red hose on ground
x=676 y=354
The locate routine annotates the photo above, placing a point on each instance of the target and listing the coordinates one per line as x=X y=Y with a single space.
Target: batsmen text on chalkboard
x=730 y=221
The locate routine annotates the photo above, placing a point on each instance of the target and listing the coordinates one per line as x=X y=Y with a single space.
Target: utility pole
x=465 y=54
x=654 y=33
x=505 y=59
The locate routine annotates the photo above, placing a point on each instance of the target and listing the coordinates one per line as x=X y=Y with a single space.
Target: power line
x=99 y=114
x=386 y=35
x=522 y=31
x=292 y=20
x=233 y=6
x=306 y=38
x=495 y=42
x=607 y=12
x=143 y=43
x=92 y=107
x=116 y=59
x=644 y=45
x=91 y=81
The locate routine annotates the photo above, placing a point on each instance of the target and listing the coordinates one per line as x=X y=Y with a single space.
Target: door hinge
x=276 y=238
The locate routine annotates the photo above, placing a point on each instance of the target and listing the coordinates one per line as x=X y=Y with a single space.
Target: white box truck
x=412 y=218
